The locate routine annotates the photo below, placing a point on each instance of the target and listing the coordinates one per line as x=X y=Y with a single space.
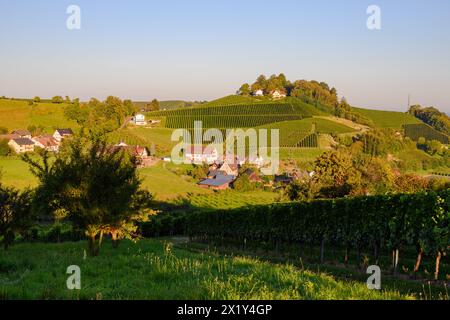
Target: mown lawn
x=152 y=269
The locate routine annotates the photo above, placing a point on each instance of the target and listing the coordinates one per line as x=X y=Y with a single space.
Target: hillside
x=18 y=114
x=387 y=119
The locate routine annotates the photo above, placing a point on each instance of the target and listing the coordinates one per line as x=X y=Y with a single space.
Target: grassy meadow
x=152 y=269
x=18 y=114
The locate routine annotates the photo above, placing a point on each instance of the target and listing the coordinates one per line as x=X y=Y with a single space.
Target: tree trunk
x=322 y=250
x=93 y=246
x=395 y=257
x=346 y=256
x=418 y=261
x=115 y=239
x=438 y=261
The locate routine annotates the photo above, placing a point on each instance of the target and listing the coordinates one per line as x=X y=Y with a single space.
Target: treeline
x=371 y=224
x=100 y=116
x=312 y=92
x=433 y=117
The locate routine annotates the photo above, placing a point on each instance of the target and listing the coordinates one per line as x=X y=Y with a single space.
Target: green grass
x=233 y=199
x=151 y=269
x=167 y=185
x=387 y=119
x=16 y=173
x=16 y=114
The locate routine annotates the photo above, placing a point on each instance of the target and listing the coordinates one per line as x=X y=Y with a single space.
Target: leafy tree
x=243 y=184
x=97 y=187
x=154 y=105
x=37 y=99
x=245 y=90
x=432 y=116
x=57 y=99
x=5 y=150
x=335 y=172
x=15 y=214
x=434 y=147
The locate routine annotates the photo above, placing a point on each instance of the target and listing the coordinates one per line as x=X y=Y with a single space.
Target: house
x=22 y=133
x=278 y=94
x=253 y=175
x=46 y=142
x=62 y=133
x=283 y=179
x=141 y=154
x=21 y=145
x=201 y=154
x=139 y=120
x=258 y=93
x=230 y=169
x=220 y=182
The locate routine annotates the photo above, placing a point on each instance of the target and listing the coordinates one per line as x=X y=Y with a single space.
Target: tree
x=245 y=90
x=154 y=105
x=98 y=187
x=57 y=99
x=5 y=150
x=37 y=99
x=434 y=147
x=336 y=173
x=15 y=214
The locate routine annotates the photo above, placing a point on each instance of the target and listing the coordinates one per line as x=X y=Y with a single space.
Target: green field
x=233 y=199
x=15 y=172
x=151 y=269
x=15 y=114
x=387 y=119
x=167 y=185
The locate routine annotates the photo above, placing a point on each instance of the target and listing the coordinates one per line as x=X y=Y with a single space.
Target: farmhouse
x=143 y=158
x=278 y=94
x=139 y=120
x=21 y=145
x=62 y=133
x=219 y=182
x=201 y=154
x=46 y=142
x=258 y=93
x=22 y=133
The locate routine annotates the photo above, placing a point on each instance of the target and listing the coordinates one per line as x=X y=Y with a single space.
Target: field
x=233 y=199
x=15 y=114
x=151 y=269
x=15 y=172
x=387 y=119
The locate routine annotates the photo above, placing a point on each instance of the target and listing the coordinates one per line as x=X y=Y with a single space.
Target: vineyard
x=227 y=121
x=373 y=224
x=416 y=131
x=254 y=109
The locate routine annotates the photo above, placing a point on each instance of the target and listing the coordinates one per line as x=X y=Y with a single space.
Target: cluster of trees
x=433 y=117
x=432 y=147
x=100 y=116
x=311 y=90
x=94 y=187
x=361 y=169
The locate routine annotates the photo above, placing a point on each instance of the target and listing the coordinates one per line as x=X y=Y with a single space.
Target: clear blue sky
x=204 y=49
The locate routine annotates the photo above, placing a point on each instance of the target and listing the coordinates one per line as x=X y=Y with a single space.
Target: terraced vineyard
x=416 y=131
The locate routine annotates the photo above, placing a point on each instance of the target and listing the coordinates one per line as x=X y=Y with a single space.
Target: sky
x=205 y=49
